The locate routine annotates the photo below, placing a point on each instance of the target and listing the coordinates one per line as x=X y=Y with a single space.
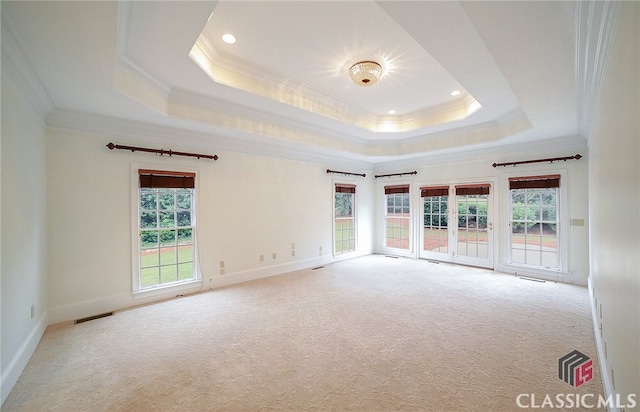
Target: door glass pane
x=473 y=234
x=435 y=224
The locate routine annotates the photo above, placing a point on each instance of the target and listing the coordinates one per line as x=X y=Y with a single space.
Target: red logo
x=575 y=368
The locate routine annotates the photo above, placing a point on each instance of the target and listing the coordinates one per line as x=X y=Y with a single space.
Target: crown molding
x=237 y=73
x=595 y=23
x=16 y=67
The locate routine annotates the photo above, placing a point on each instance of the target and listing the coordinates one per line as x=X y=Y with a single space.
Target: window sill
x=170 y=290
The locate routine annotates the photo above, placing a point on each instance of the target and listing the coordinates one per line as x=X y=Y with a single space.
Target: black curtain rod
x=397 y=174
x=550 y=160
x=161 y=152
x=346 y=173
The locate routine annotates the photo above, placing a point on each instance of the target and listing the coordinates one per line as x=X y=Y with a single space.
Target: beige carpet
x=370 y=334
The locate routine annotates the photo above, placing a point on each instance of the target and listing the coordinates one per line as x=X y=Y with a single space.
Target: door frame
x=492 y=222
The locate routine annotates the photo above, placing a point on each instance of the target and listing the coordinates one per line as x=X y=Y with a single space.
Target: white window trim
x=411 y=252
x=562 y=272
x=355 y=217
x=188 y=286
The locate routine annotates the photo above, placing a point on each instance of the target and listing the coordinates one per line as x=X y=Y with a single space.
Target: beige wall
x=23 y=280
x=614 y=177
x=247 y=206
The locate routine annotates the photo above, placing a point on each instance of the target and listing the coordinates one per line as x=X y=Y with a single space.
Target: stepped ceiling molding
x=522 y=72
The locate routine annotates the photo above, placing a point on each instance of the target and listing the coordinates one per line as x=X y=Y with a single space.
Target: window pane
x=166 y=200
x=168 y=255
x=148 y=220
x=185 y=236
x=167 y=219
x=168 y=274
x=185 y=271
x=148 y=199
x=183 y=200
x=149 y=239
x=149 y=257
x=184 y=218
x=150 y=277
x=168 y=237
x=185 y=254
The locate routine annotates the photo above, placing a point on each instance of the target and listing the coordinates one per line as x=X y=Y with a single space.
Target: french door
x=457 y=226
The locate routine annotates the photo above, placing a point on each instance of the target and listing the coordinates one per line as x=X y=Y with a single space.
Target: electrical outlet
x=293 y=246
x=320 y=251
x=273 y=255
x=222 y=264
x=261 y=258
x=33 y=311
x=293 y=252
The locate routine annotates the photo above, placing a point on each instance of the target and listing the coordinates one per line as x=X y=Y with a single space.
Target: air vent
x=532 y=279
x=316 y=268
x=87 y=319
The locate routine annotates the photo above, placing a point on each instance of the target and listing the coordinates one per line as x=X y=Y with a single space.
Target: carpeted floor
x=368 y=334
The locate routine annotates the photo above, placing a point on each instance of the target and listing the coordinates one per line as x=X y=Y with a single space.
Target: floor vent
x=393 y=257
x=316 y=268
x=87 y=319
x=532 y=279
x=434 y=262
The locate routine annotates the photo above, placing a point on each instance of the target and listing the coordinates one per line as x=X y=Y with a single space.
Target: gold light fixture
x=365 y=73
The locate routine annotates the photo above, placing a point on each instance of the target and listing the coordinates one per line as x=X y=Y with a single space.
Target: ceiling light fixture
x=455 y=93
x=228 y=38
x=365 y=73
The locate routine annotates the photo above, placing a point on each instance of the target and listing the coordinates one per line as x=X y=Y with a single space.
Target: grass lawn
x=165 y=265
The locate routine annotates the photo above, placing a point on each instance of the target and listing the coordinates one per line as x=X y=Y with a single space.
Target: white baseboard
x=607 y=383
x=14 y=369
x=268 y=271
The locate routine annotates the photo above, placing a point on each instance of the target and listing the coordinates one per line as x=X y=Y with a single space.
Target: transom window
x=534 y=221
x=166 y=228
x=345 y=219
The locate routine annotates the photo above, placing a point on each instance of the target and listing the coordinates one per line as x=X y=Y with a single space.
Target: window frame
x=562 y=212
x=406 y=188
x=187 y=286
x=354 y=206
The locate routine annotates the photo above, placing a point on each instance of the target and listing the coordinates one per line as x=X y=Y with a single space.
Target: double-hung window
x=534 y=221
x=166 y=228
x=345 y=218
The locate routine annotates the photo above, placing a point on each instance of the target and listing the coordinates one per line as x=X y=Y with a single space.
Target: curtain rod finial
x=111 y=146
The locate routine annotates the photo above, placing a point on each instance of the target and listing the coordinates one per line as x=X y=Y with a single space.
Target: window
x=397 y=216
x=534 y=221
x=166 y=228
x=345 y=220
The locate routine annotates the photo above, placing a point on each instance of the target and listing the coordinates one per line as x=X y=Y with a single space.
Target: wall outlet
x=33 y=311
x=273 y=255
x=222 y=264
x=261 y=258
x=320 y=251
x=293 y=246
x=293 y=252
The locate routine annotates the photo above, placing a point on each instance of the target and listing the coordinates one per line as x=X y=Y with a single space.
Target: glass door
x=435 y=223
x=456 y=224
x=474 y=231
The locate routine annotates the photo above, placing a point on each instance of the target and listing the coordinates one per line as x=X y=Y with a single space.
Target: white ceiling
x=157 y=71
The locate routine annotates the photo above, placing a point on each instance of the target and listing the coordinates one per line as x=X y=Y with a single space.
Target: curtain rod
x=397 y=174
x=551 y=160
x=161 y=152
x=346 y=173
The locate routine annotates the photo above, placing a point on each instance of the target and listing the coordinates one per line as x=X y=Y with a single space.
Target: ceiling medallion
x=365 y=73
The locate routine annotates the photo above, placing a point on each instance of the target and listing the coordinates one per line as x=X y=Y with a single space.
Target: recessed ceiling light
x=455 y=93
x=228 y=38
x=391 y=112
